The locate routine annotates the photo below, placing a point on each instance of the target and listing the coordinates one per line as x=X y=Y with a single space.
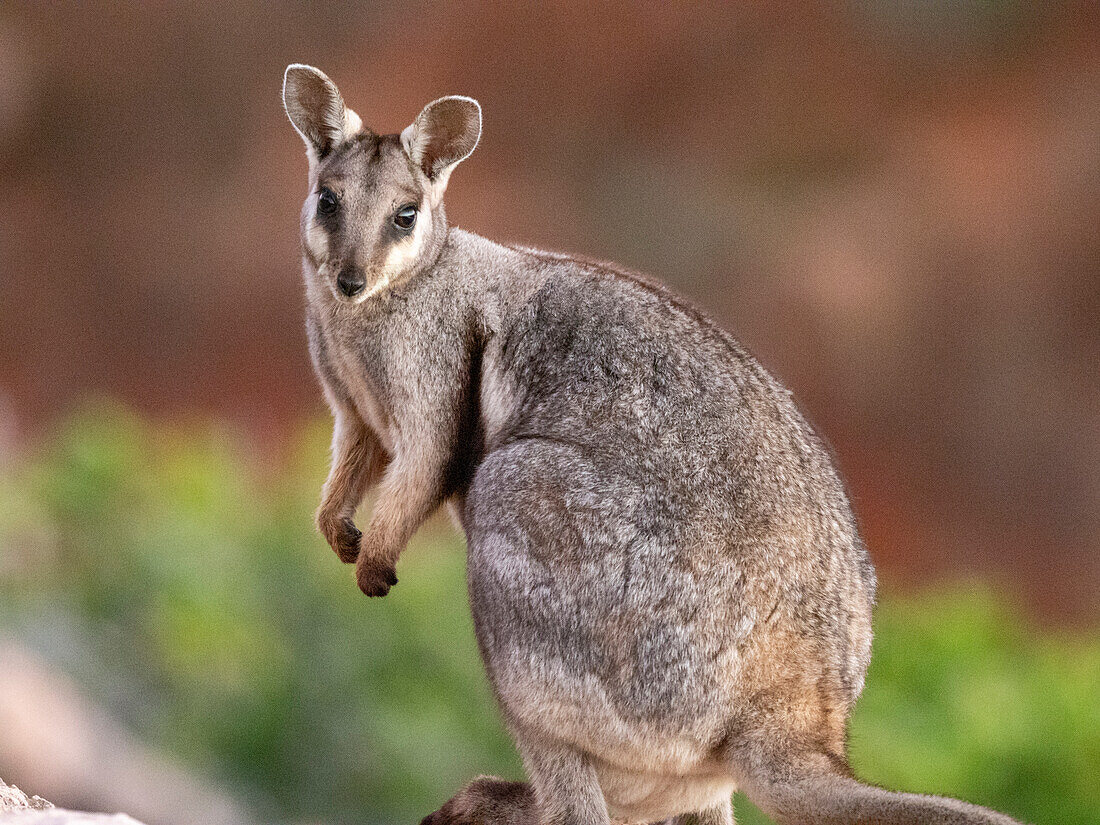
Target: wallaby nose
x=351 y=282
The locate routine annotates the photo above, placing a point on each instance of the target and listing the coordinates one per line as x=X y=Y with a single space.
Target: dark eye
x=327 y=201
x=405 y=217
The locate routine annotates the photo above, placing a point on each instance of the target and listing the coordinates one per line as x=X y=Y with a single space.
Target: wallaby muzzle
x=350 y=282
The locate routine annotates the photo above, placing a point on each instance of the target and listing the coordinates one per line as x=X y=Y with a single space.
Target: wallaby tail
x=830 y=797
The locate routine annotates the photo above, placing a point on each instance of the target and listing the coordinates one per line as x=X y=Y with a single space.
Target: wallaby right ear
x=316 y=110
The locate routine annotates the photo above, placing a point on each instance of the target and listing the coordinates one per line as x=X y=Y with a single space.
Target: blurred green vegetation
x=180 y=581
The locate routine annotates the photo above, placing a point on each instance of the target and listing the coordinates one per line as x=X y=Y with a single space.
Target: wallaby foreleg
x=357 y=462
x=410 y=490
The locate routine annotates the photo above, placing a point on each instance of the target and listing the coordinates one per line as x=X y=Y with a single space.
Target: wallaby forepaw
x=342 y=535
x=347 y=541
x=375 y=578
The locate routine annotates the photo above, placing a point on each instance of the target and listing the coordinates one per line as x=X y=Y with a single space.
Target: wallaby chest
x=350 y=362
x=409 y=364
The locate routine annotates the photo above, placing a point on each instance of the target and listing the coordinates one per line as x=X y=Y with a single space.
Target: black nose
x=351 y=283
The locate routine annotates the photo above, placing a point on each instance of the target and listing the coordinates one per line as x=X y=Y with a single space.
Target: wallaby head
x=374 y=214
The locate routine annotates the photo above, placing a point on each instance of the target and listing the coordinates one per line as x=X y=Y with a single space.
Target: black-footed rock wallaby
x=668 y=588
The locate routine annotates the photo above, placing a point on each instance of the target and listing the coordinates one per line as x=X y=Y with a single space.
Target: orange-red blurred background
x=895 y=205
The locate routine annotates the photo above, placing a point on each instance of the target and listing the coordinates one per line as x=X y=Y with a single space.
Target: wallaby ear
x=443 y=135
x=316 y=109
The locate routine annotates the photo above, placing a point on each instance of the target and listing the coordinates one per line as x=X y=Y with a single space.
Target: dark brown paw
x=346 y=541
x=375 y=578
x=341 y=534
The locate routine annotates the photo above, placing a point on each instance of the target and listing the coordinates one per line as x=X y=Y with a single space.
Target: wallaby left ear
x=443 y=135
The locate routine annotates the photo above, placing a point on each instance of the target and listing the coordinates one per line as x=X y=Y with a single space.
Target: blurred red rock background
x=895 y=205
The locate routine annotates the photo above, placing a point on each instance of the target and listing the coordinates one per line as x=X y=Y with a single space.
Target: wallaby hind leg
x=563 y=791
x=488 y=801
x=718 y=815
x=491 y=801
x=566 y=787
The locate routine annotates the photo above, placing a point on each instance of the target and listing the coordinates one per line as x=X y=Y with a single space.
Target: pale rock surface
x=16 y=808
x=58 y=742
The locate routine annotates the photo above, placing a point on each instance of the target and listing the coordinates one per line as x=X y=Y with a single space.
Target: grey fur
x=668 y=587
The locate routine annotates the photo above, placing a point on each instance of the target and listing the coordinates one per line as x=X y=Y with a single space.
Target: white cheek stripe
x=317 y=241
x=403 y=254
x=374 y=290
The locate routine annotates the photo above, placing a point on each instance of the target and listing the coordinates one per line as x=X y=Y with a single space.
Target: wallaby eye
x=327 y=201
x=405 y=217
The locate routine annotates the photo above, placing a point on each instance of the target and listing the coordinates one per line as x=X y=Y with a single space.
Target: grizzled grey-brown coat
x=668 y=588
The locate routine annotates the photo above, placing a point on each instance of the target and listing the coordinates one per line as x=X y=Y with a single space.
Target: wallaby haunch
x=668 y=588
